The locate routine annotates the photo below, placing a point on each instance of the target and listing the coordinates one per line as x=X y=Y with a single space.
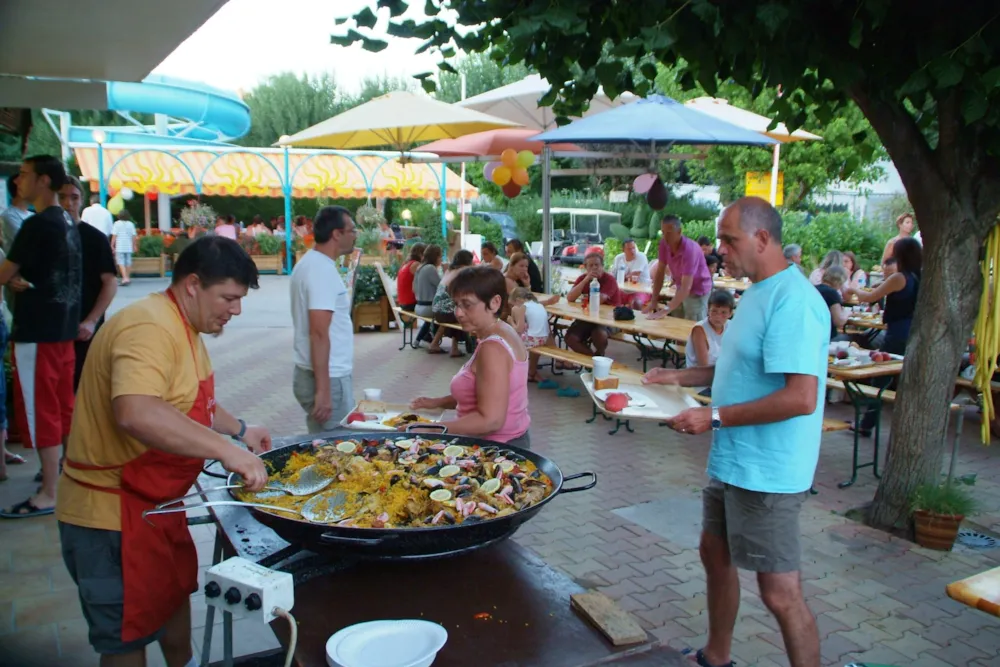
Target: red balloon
x=512 y=189
x=656 y=197
x=152 y=195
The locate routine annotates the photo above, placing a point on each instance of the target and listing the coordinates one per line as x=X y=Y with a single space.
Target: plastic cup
x=602 y=367
x=373 y=394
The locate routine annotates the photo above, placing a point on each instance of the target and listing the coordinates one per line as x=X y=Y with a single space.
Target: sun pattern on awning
x=251 y=174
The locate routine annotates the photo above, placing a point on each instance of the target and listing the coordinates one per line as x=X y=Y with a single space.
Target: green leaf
x=917 y=83
x=428 y=85
x=991 y=79
x=405 y=29
x=448 y=52
x=648 y=70
x=431 y=9
x=396 y=7
x=345 y=40
x=656 y=39
x=549 y=98
x=447 y=67
x=773 y=16
x=607 y=73
x=855 y=38
x=366 y=18
x=373 y=45
x=974 y=106
x=423 y=75
x=627 y=49
x=946 y=71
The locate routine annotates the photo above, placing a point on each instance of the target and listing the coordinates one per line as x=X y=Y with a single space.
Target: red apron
x=159 y=562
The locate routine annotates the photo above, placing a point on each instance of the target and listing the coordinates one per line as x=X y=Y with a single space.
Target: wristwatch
x=716 y=419
x=243 y=429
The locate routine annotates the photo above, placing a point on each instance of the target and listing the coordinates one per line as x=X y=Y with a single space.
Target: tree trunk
x=946 y=310
x=955 y=191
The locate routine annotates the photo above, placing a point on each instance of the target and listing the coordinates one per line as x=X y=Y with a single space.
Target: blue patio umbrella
x=654 y=120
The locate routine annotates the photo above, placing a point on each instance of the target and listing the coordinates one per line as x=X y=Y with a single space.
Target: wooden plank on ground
x=387 y=286
x=619 y=626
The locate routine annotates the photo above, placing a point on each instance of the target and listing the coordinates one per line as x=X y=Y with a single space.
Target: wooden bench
x=408 y=320
x=675 y=353
x=554 y=354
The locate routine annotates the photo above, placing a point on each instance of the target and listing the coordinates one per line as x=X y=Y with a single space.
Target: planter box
x=936 y=531
x=268 y=263
x=371 y=314
x=149 y=266
x=299 y=254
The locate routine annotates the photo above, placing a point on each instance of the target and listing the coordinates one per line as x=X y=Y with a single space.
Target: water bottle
x=595 y=298
x=621 y=274
x=862 y=281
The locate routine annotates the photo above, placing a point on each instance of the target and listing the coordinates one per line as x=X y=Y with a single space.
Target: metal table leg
x=206 y=644
x=227 y=639
x=618 y=422
x=861 y=405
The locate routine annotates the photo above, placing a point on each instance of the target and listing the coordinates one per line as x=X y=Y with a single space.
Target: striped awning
x=260 y=173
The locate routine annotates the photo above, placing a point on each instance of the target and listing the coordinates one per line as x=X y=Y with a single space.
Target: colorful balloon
x=116 y=204
x=488 y=170
x=509 y=158
x=127 y=194
x=501 y=175
x=520 y=176
x=525 y=159
x=643 y=183
x=657 y=195
x=512 y=189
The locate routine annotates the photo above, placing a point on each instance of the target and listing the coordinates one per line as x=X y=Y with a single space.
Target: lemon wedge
x=454 y=450
x=441 y=495
x=449 y=471
x=507 y=466
x=490 y=486
x=346 y=447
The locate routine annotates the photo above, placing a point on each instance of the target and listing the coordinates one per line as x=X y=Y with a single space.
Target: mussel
x=433 y=470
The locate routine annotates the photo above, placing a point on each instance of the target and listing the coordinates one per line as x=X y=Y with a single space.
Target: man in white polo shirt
x=98 y=217
x=321 y=317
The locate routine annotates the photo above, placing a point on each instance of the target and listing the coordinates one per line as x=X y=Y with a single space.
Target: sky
x=248 y=40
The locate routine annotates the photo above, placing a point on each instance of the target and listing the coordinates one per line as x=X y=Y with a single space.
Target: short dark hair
x=215 y=259
x=48 y=165
x=712 y=260
x=432 y=254
x=671 y=219
x=627 y=241
x=75 y=182
x=417 y=252
x=95 y=199
x=704 y=240
x=461 y=258
x=483 y=281
x=124 y=214
x=328 y=220
x=12 y=185
x=908 y=254
x=488 y=245
x=516 y=245
x=722 y=298
x=231 y=219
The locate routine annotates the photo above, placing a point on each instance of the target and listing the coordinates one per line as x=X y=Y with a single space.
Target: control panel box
x=238 y=583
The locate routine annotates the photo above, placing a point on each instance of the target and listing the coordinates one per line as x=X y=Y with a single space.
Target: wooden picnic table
x=668 y=291
x=981 y=591
x=866 y=321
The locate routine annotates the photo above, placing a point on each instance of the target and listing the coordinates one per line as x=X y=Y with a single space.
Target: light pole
x=287 y=188
x=99 y=138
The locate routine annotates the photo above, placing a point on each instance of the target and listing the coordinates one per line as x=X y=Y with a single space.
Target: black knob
x=212 y=589
x=252 y=602
x=233 y=595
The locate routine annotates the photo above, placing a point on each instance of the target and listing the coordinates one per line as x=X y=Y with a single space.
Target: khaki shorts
x=762 y=529
x=341 y=399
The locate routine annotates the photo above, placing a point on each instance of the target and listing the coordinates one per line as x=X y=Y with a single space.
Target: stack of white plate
x=405 y=643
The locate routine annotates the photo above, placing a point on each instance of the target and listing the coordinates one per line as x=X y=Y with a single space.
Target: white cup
x=602 y=367
x=373 y=394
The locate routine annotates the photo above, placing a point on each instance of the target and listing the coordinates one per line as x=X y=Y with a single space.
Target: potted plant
x=938 y=511
x=371 y=306
x=150 y=260
x=268 y=253
x=369 y=221
x=199 y=215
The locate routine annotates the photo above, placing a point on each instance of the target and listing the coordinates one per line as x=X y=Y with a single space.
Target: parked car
x=506 y=222
x=574 y=253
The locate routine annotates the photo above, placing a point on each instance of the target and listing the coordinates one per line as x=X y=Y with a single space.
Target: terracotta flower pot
x=936 y=531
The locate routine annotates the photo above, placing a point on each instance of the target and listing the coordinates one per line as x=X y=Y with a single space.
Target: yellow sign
x=759 y=185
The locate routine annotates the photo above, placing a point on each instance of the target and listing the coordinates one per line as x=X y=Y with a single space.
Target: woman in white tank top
x=531 y=321
x=705 y=341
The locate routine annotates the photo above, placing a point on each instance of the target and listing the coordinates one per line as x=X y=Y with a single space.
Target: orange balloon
x=509 y=158
x=520 y=176
x=501 y=176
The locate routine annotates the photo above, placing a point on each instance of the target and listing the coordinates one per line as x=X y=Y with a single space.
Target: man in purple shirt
x=688 y=268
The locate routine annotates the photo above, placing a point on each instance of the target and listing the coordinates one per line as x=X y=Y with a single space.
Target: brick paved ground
x=877 y=598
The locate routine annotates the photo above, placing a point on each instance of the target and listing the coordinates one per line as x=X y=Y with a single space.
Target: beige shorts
x=762 y=529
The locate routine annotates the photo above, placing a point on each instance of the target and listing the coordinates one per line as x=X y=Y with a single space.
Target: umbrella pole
x=774 y=174
x=444 y=209
x=546 y=218
x=288 y=214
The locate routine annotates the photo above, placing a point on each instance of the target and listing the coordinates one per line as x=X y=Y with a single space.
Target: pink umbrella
x=490 y=144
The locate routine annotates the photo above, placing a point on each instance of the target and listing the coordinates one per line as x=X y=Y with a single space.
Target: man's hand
x=423 y=403
x=246 y=465
x=258 y=439
x=658 y=314
x=692 y=421
x=19 y=284
x=661 y=376
x=322 y=407
x=86 y=330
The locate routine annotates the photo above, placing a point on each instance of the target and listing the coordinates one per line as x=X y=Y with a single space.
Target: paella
x=413 y=482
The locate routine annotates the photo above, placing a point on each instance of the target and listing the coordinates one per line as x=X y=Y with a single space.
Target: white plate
x=637 y=399
x=853 y=362
x=405 y=643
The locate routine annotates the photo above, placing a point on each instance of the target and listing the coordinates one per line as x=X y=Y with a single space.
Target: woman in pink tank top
x=490 y=392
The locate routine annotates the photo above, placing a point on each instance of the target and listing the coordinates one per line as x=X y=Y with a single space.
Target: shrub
x=150 y=246
x=268 y=244
x=612 y=248
x=943 y=499
x=367 y=284
x=197 y=214
x=490 y=231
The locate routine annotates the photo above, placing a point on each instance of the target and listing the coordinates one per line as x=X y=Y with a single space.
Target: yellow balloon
x=502 y=175
x=509 y=158
x=525 y=159
x=520 y=176
x=115 y=205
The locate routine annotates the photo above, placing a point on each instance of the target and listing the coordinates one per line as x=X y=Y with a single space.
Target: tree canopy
x=925 y=75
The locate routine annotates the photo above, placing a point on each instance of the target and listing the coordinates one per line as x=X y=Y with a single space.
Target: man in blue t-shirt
x=767 y=421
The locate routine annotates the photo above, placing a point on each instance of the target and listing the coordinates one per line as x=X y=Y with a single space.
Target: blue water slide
x=210 y=115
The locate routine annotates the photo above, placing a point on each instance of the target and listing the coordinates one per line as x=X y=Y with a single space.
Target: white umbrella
x=749 y=120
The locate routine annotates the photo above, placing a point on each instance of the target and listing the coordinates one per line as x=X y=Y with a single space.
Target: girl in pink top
x=490 y=392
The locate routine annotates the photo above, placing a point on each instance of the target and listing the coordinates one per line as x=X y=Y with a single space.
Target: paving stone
x=912 y=645
x=835 y=648
x=959 y=654
x=925 y=613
